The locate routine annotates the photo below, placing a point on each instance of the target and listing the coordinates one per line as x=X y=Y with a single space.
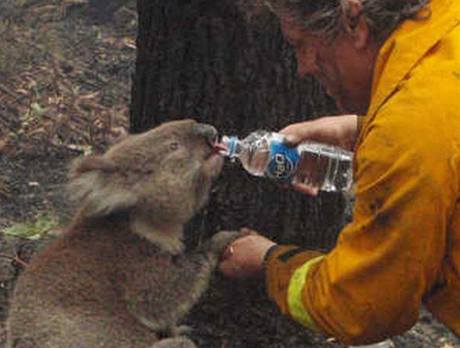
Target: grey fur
x=118 y=277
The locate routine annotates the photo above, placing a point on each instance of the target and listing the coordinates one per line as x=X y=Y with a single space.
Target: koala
x=119 y=275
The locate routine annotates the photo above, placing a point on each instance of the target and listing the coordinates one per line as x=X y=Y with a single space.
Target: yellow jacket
x=403 y=246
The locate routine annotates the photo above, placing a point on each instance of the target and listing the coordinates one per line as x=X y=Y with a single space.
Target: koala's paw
x=221 y=240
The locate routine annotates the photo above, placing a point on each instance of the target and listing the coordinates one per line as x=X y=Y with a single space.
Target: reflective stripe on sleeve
x=294 y=295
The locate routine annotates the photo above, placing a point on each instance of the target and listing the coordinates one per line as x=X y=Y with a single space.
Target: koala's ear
x=95 y=182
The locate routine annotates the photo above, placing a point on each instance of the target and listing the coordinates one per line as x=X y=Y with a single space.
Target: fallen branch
x=14 y=258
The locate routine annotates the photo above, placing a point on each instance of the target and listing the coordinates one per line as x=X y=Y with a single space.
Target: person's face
x=343 y=66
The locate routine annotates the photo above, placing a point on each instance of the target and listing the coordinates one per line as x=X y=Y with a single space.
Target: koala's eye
x=174 y=146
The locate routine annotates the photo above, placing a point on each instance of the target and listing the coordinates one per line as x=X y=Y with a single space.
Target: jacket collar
x=407 y=45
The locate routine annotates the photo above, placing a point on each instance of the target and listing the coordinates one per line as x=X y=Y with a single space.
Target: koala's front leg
x=161 y=289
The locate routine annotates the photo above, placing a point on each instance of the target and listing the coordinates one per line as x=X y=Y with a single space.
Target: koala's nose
x=207 y=131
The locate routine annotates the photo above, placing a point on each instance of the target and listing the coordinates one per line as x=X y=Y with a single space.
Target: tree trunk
x=205 y=60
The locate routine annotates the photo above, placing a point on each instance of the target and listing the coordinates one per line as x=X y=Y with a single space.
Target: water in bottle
x=316 y=165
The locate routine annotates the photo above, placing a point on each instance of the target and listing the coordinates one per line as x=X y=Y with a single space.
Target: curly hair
x=326 y=16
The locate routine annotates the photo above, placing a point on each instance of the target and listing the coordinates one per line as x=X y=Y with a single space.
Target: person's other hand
x=244 y=257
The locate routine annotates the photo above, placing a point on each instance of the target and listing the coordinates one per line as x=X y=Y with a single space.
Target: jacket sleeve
x=371 y=285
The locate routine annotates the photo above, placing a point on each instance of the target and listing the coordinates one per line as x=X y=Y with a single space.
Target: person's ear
x=355 y=24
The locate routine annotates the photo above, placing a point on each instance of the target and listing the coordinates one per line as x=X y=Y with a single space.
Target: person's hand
x=334 y=130
x=244 y=257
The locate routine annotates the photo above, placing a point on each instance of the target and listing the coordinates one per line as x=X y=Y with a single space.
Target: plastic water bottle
x=316 y=165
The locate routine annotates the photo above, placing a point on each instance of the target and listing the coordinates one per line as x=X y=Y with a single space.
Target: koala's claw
x=222 y=239
x=176 y=342
x=181 y=330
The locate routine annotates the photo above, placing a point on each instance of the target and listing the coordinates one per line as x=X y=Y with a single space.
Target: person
x=396 y=64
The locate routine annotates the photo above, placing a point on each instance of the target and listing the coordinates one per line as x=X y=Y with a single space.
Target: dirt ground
x=64 y=91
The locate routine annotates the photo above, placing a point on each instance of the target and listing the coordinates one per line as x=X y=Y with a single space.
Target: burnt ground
x=64 y=91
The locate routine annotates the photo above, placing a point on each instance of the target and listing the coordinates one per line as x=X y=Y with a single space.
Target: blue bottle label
x=283 y=161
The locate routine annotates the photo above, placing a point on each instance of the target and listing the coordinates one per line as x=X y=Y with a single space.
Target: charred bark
x=203 y=59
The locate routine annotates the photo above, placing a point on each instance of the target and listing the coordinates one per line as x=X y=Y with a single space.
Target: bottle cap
x=230 y=144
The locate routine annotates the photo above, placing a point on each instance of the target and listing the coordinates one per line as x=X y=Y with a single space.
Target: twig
x=8 y=91
x=14 y=258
